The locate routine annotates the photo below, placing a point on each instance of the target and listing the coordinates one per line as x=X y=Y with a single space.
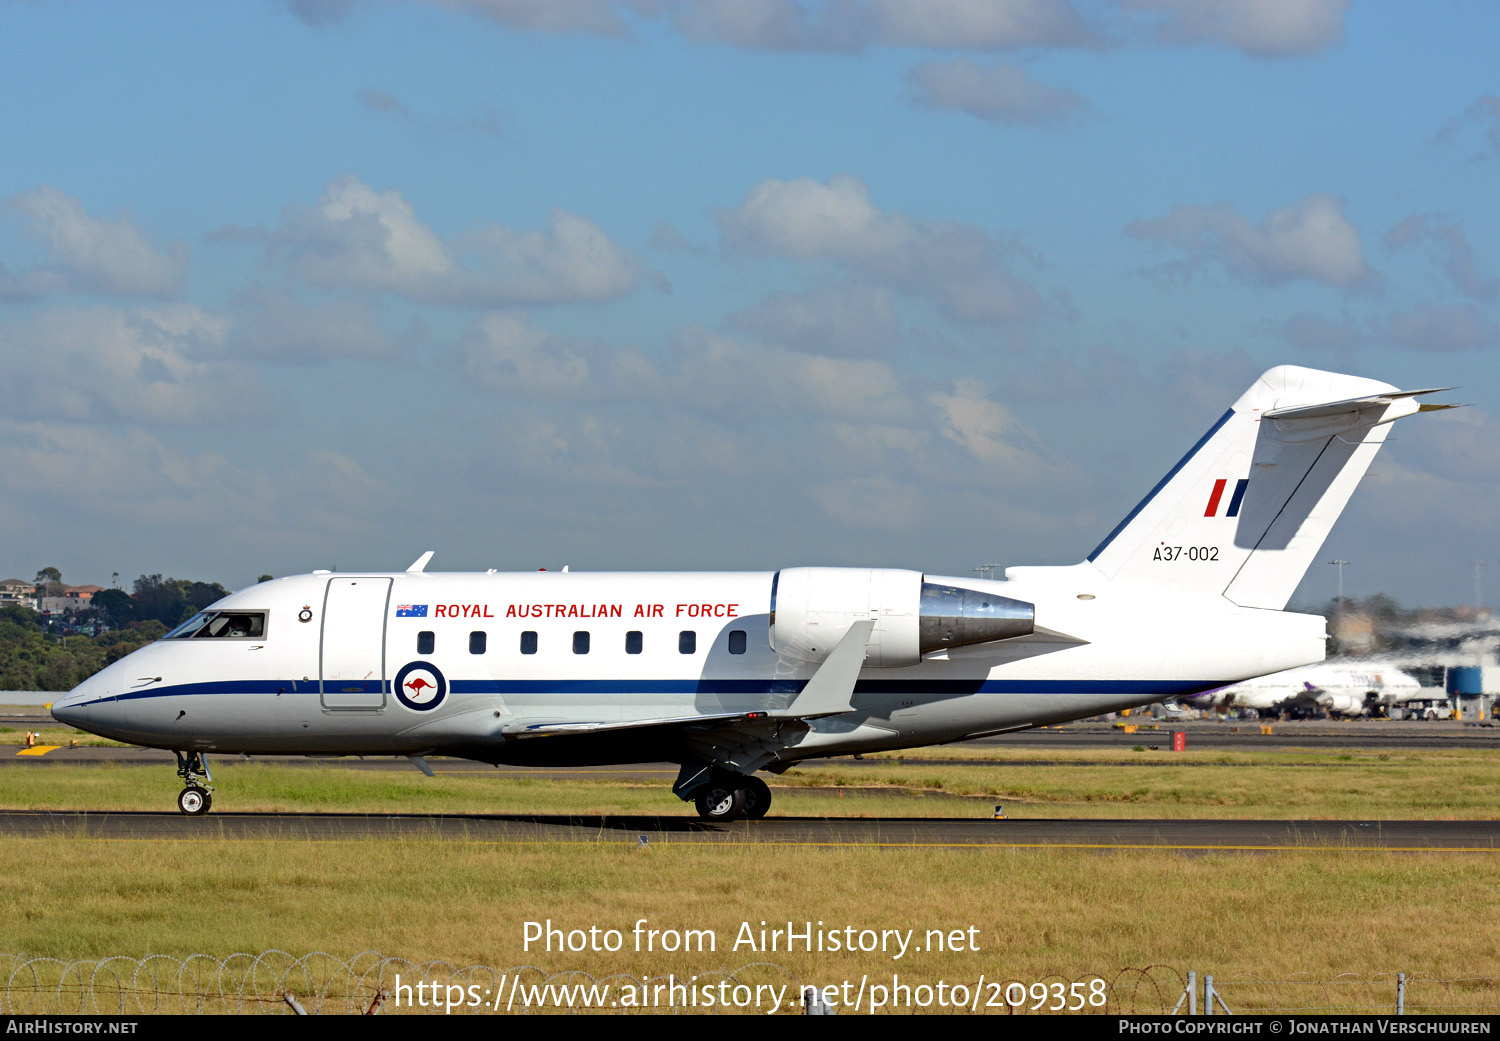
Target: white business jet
x=730 y=674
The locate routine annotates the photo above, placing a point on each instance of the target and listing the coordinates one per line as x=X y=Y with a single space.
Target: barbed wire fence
x=276 y=982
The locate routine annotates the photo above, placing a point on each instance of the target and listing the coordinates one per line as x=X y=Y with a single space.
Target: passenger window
x=477 y=641
x=687 y=642
x=737 y=641
x=425 y=642
x=528 y=642
x=581 y=642
x=633 y=642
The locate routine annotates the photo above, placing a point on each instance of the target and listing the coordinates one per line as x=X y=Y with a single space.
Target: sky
x=668 y=285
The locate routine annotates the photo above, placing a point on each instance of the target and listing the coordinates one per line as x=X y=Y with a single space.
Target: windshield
x=189 y=627
x=221 y=625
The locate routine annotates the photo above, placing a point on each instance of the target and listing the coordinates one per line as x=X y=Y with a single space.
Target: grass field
x=1062 y=913
x=1034 y=913
x=1448 y=784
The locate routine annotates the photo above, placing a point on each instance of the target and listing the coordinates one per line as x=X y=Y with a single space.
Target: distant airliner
x=1338 y=688
x=730 y=674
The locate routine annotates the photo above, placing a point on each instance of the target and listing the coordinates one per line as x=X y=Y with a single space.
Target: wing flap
x=549 y=728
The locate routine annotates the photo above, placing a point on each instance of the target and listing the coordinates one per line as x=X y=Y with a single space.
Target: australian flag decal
x=411 y=610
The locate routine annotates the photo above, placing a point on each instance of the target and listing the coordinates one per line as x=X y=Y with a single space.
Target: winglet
x=420 y=564
x=829 y=691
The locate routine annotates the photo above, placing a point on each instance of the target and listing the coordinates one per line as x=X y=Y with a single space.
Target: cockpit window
x=222 y=625
x=189 y=627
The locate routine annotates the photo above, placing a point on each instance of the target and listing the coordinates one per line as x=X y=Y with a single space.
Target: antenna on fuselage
x=420 y=563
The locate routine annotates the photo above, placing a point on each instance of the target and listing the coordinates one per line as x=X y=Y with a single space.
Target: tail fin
x=1247 y=509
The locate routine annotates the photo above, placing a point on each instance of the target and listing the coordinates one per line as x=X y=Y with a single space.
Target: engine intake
x=812 y=609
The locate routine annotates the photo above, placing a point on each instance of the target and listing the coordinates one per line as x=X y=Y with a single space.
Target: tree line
x=41 y=653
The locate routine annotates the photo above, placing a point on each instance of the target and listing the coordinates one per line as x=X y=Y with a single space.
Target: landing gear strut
x=197 y=797
x=731 y=796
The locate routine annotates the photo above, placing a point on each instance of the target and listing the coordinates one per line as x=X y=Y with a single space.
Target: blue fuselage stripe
x=581 y=688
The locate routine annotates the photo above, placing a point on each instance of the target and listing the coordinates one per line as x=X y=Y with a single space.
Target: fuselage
x=464 y=664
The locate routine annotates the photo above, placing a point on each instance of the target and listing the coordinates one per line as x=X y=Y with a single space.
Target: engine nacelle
x=813 y=607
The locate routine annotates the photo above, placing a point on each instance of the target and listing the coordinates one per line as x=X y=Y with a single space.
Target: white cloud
x=843 y=319
x=86 y=254
x=1483 y=115
x=183 y=500
x=272 y=325
x=1445 y=242
x=1460 y=327
x=980 y=24
x=851 y=26
x=984 y=427
x=1263 y=28
x=775 y=25
x=960 y=267
x=996 y=92
x=599 y=17
x=144 y=365
x=387 y=104
x=503 y=352
x=358 y=238
x=1310 y=240
x=318 y=12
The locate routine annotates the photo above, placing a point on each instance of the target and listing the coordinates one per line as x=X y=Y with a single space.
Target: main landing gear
x=731 y=796
x=197 y=797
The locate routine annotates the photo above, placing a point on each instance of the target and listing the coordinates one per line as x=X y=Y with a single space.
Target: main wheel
x=194 y=801
x=757 y=797
x=721 y=802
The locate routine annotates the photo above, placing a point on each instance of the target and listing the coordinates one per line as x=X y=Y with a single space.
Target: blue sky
x=745 y=285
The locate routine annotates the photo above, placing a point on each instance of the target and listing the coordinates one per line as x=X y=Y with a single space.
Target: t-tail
x=1247 y=509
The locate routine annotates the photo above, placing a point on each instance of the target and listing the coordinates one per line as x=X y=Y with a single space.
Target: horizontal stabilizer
x=1244 y=513
x=1336 y=408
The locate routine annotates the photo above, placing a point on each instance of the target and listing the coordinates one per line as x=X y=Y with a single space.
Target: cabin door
x=352 y=658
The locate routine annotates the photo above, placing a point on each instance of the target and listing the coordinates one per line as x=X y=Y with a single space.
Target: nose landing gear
x=197 y=798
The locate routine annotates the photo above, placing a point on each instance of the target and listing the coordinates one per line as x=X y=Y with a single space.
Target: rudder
x=1244 y=513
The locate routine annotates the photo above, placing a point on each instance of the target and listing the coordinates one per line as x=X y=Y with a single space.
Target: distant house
x=84 y=593
x=18 y=591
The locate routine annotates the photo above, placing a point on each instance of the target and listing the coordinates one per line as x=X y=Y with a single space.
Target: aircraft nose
x=85 y=704
x=69 y=709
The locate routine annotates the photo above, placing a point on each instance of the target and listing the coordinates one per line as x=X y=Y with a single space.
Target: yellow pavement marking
x=38 y=750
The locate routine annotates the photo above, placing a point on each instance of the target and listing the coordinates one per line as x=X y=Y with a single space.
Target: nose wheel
x=195 y=799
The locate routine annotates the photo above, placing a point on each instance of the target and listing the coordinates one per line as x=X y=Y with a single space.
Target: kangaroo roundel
x=419 y=685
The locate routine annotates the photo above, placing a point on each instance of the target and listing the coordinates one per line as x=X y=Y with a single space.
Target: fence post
x=1190 y=995
x=1400 y=993
x=1208 y=994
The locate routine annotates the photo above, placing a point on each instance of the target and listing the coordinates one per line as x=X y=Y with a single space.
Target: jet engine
x=813 y=607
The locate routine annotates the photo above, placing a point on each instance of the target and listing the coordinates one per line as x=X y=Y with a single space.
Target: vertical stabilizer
x=1247 y=509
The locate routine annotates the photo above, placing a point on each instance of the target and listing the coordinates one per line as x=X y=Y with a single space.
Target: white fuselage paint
x=324 y=686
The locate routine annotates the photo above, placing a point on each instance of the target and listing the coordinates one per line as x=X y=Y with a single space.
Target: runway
x=1190 y=835
x=1203 y=835
x=1243 y=736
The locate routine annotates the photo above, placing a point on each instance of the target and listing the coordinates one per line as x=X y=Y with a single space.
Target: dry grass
x=1442 y=784
x=1063 y=912
x=1036 y=912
